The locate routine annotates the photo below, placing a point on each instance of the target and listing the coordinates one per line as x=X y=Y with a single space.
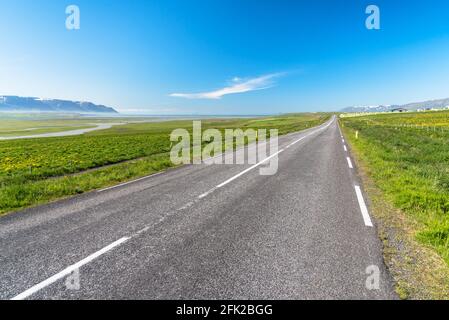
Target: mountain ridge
x=413 y=106
x=34 y=104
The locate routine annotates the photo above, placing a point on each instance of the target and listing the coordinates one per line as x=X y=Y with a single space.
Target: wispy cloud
x=238 y=86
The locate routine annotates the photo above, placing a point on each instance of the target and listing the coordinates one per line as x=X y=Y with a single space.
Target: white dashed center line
x=350 y=163
x=359 y=194
x=363 y=207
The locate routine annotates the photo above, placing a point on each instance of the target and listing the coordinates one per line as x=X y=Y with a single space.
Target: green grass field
x=35 y=171
x=408 y=159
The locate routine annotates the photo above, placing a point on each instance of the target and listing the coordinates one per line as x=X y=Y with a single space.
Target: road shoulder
x=418 y=271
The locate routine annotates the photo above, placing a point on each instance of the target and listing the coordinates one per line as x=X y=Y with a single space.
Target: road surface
x=206 y=232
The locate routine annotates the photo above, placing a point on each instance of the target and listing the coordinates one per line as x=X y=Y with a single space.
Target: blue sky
x=226 y=56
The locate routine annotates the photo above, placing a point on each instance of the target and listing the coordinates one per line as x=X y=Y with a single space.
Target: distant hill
x=30 y=104
x=431 y=104
x=368 y=109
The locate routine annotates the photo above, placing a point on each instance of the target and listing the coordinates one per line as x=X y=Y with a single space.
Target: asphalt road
x=300 y=234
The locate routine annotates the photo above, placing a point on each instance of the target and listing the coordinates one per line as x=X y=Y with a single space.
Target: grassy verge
x=37 y=171
x=405 y=171
x=15 y=197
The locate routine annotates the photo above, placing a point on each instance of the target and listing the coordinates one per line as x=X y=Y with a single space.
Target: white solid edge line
x=210 y=158
x=350 y=163
x=254 y=144
x=263 y=161
x=129 y=182
x=247 y=170
x=67 y=271
x=204 y=195
x=266 y=159
x=363 y=208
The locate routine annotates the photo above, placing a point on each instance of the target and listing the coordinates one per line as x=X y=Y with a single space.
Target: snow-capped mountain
x=431 y=104
x=368 y=109
x=32 y=104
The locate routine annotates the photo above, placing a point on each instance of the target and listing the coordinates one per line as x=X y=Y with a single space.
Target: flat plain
x=35 y=171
